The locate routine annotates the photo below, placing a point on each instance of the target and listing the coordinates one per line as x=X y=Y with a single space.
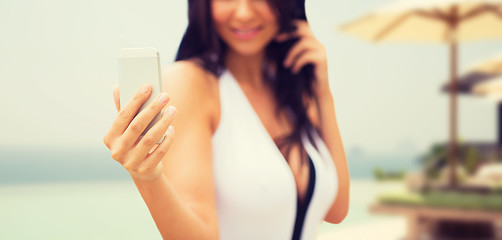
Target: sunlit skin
x=175 y=181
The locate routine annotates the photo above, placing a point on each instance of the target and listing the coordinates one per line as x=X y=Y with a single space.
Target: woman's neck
x=246 y=69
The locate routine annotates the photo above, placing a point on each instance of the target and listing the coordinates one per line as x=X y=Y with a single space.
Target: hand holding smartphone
x=137 y=67
x=131 y=138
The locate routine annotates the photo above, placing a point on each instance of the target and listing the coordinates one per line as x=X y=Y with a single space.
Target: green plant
x=433 y=160
x=437 y=158
x=382 y=175
x=378 y=173
x=472 y=158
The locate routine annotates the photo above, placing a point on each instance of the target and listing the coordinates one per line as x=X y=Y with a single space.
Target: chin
x=248 y=50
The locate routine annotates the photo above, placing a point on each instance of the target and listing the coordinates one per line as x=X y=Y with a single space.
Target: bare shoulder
x=192 y=88
x=189 y=70
x=189 y=76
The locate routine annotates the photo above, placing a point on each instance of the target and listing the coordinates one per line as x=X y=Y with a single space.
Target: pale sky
x=58 y=66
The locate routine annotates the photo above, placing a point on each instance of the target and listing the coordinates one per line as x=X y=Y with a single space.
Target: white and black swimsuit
x=302 y=205
x=255 y=188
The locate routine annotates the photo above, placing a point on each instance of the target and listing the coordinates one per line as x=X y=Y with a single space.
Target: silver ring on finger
x=161 y=139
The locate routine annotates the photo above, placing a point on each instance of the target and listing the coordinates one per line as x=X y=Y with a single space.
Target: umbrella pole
x=499 y=124
x=453 y=114
x=453 y=97
x=499 y=135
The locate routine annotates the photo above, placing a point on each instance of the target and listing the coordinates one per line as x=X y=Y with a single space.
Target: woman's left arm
x=331 y=136
x=308 y=50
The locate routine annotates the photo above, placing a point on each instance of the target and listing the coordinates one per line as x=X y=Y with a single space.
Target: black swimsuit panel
x=302 y=206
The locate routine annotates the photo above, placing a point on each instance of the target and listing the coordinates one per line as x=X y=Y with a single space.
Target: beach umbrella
x=482 y=71
x=478 y=82
x=483 y=85
x=492 y=65
x=491 y=88
x=444 y=21
x=478 y=73
x=466 y=82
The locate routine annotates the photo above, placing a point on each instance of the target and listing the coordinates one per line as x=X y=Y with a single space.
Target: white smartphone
x=139 y=66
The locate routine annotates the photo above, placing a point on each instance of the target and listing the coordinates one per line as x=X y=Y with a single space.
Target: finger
x=127 y=113
x=295 y=52
x=116 y=97
x=300 y=23
x=302 y=30
x=303 y=60
x=302 y=27
x=286 y=36
x=152 y=137
x=155 y=133
x=143 y=119
x=158 y=154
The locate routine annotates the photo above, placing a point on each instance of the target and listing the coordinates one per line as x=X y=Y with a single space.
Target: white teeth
x=240 y=31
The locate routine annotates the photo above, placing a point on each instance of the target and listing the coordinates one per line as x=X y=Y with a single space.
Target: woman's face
x=246 y=26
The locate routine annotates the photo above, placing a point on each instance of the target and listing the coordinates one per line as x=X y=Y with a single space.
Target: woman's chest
x=276 y=122
x=253 y=181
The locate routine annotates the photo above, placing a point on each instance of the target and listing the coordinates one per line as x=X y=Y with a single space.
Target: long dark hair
x=291 y=91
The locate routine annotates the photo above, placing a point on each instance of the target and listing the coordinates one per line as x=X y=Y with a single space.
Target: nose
x=244 y=11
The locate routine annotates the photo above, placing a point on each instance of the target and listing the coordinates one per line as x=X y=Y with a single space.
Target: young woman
x=258 y=153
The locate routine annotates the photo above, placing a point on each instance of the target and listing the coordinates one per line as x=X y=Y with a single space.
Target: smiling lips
x=246 y=33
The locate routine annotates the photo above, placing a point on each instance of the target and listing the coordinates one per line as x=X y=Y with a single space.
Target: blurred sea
x=36 y=165
x=84 y=194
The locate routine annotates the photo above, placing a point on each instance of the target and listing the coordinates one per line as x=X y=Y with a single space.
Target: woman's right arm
x=181 y=198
